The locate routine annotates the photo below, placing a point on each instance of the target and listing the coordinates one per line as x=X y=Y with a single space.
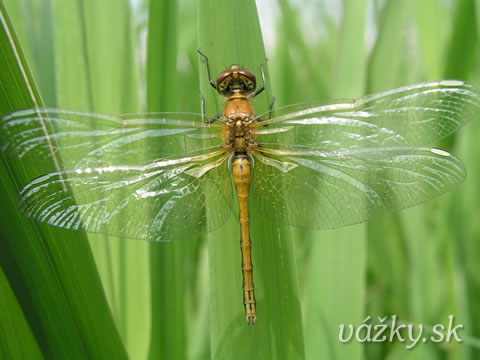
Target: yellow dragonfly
x=322 y=166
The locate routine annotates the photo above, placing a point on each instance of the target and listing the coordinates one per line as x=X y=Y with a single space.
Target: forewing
x=54 y=140
x=417 y=115
x=325 y=190
x=162 y=201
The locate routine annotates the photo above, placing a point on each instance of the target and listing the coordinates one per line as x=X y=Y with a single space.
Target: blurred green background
x=69 y=295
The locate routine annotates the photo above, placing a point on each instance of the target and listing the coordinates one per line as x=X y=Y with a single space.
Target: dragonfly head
x=236 y=81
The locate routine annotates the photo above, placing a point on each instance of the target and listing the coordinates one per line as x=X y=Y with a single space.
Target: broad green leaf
x=52 y=271
x=96 y=71
x=167 y=261
x=226 y=39
x=17 y=340
x=335 y=288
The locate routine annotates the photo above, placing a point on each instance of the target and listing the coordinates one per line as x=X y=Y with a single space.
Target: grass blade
x=68 y=314
x=17 y=340
x=166 y=260
x=277 y=333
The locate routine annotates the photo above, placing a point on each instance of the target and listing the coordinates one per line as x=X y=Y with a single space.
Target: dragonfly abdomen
x=241 y=177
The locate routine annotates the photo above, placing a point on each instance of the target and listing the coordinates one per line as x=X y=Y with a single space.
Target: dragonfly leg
x=202 y=104
x=260 y=89
x=204 y=116
x=271 y=108
x=270 y=111
x=208 y=69
x=215 y=118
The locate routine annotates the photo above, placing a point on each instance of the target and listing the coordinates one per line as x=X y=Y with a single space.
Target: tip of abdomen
x=249 y=303
x=251 y=319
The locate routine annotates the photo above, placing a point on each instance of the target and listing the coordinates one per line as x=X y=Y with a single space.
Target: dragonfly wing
x=54 y=139
x=324 y=190
x=162 y=201
x=417 y=115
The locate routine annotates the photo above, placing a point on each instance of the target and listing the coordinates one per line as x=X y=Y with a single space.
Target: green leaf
x=335 y=280
x=51 y=271
x=229 y=33
x=167 y=261
x=16 y=340
x=385 y=61
x=96 y=71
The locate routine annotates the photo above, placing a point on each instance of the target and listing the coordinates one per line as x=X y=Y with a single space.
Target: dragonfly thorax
x=239 y=123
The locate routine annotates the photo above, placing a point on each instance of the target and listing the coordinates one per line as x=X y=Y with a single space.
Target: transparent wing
x=417 y=115
x=335 y=164
x=325 y=190
x=80 y=140
x=162 y=201
x=141 y=176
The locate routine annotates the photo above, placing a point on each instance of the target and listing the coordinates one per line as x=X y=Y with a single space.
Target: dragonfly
x=168 y=176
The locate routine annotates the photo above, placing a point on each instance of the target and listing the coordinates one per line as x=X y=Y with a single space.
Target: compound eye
x=249 y=85
x=223 y=87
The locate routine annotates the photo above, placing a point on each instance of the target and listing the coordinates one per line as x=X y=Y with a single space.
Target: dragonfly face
x=235 y=81
x=345 y=161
